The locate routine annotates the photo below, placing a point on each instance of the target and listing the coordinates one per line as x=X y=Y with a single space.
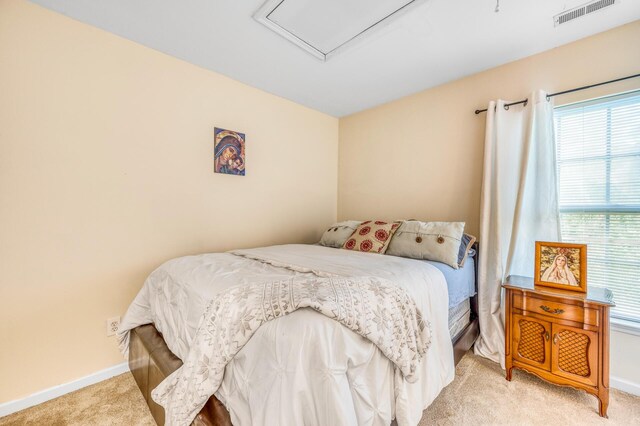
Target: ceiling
x=432 y=43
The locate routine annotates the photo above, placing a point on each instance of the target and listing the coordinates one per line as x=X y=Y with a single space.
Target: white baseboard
x=624 y=385
x=56 y=391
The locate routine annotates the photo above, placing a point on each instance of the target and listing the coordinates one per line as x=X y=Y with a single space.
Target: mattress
x=459 y=317
x=460 y=282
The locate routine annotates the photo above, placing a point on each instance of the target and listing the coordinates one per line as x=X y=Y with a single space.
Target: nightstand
x=560 y=336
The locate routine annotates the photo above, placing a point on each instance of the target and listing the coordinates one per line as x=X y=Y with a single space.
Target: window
x=598 y=160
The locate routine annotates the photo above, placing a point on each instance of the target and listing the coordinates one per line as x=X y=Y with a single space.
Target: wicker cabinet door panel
x=575 y=354
x=531 y=341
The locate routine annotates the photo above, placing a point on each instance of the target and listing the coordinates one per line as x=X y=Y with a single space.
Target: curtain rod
x=506 y=106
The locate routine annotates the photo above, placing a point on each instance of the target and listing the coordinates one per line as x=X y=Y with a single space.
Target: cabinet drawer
x=556 y=310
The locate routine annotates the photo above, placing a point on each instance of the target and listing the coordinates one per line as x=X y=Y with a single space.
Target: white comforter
x=305 y=368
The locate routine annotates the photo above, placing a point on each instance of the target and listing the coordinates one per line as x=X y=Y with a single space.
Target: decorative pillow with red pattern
x=371 y=237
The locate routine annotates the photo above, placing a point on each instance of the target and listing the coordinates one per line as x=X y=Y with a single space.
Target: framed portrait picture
x=561 y=265
x=228 y=156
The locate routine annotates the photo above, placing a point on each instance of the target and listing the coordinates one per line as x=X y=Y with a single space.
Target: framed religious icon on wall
x=228 y=156
x=561 y=265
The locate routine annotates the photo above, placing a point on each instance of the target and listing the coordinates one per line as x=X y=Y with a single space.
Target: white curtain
x=519 y=205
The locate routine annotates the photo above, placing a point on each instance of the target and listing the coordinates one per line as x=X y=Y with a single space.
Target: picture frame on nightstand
x=561 y=265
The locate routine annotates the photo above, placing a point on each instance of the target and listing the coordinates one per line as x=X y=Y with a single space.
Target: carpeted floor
x=116 y=401
x=479 y=396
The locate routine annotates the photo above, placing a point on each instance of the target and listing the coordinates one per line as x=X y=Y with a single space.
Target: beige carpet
x=116 y=401
x=479 y=396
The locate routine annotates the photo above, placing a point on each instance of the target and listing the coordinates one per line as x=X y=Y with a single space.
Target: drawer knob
x=551 y=311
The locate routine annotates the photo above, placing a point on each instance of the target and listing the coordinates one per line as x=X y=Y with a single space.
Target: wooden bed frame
x=151 y=361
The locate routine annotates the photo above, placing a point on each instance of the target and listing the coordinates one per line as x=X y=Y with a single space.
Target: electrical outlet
x=112 y=325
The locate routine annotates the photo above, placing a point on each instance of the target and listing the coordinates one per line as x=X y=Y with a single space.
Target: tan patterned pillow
x=439 y=241
x=371 y=237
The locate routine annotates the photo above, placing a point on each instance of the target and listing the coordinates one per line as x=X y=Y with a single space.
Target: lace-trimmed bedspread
x=372 y=307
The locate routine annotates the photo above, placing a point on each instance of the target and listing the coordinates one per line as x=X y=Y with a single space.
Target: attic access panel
x=326 y=27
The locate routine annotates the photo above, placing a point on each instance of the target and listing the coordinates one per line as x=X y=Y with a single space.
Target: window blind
x=598 y=160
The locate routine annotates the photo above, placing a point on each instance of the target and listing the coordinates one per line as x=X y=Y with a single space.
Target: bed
x=351 y=380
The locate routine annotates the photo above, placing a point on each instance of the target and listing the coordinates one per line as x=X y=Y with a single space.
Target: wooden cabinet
x=560 y=336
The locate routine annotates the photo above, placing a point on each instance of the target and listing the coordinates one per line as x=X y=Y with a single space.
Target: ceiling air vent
x=580 y=11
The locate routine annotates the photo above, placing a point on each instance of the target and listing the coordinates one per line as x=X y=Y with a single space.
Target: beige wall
x=421 y=156
x=106 y=171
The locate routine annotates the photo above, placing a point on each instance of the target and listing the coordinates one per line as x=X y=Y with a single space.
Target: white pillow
x=439 y=241
x=338 y=233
